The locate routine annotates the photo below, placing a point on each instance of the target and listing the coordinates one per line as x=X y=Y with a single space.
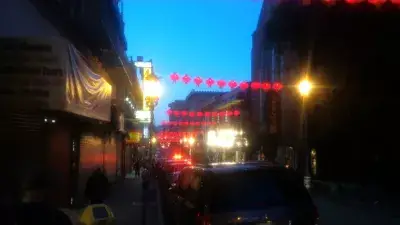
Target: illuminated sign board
x=143 y=116
x=143 y=64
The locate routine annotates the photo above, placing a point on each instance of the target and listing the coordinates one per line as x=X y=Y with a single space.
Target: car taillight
x=203 y=219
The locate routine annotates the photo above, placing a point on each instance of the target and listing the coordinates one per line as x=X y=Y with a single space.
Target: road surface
x=338 y=213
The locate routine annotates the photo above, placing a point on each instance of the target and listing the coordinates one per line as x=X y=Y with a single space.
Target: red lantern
x=214 y=114
x=197 y=124
x=186 y=123
x=266 y=86
x=229 y=113
x=397 y=2
x=210 y=82
x=255 y=85
x=192 y=114
x=169 y=112
x=329 y=2
x=207 y=114
x=277 y=86
x=198 y=81
x=236 y=113
x=222 y=113
x=184 y=113
x=186 y=79
x=377 y=2
x=244 y=85
x=199 y=114
x=192 y=123
x=177 y=113
x=221 y=83
x=232 y=84
x=174 y=77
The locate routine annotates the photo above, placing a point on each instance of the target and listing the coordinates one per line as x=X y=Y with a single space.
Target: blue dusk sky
x=206 y=38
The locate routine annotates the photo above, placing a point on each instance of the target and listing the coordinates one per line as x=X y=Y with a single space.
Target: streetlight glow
x=152 y=88
x=191 y=141
x=305 y=87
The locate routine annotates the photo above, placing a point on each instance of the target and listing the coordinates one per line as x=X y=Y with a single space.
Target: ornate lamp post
x=305 y=87
x=152 y=90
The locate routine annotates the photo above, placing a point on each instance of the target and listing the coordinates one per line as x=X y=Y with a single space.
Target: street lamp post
x=152 y=91
x=305 y=88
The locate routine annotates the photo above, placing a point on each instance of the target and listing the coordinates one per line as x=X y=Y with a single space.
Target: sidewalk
x=127 y=203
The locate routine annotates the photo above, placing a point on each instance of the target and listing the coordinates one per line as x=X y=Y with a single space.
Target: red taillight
x=203 y=219
x=177 y=156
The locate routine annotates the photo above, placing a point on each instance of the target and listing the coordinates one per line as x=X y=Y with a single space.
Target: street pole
x=304 y=132
x=151 y=130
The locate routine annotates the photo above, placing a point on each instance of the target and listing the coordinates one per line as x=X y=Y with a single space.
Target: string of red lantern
x=184 y=113
x=187 y=123
x=373 y=2
x=244 y=85
x=169 y=136
x=176 y=134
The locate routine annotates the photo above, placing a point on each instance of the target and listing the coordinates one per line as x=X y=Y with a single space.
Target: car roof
x=176 y=162
x=237 y=167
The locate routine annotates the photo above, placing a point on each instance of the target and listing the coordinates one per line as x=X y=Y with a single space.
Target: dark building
x=285 y=47
x=59 y=124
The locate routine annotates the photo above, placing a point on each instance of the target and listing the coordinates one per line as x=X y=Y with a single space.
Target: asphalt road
x=338 y=213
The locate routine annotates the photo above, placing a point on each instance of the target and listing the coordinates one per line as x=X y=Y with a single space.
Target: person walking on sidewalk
x=137 y=168
x=97 y=187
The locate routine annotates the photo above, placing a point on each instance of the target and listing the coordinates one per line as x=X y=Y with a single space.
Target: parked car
x=241 y=194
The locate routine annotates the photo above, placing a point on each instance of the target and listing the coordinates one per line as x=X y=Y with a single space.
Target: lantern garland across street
x=210 y=82
x=188 y=123
x=184 y=113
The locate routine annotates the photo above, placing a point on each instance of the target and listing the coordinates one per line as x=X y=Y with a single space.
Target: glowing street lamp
x=305 y=87
x=152 y=88
x=151 y=92
x=191 y=141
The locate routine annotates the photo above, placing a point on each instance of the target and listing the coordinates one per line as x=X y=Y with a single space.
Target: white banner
x=48 y=73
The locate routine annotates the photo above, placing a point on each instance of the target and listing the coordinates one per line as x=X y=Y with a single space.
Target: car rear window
x=251 y=190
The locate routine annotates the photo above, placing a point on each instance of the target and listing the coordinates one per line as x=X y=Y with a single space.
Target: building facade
x=57 y=124
x=275 y=116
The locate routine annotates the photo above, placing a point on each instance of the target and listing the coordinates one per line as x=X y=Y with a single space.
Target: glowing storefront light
x=224 y=138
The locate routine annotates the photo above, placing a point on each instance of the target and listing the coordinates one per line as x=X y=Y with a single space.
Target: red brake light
x=177 y=156
x=203 y=219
